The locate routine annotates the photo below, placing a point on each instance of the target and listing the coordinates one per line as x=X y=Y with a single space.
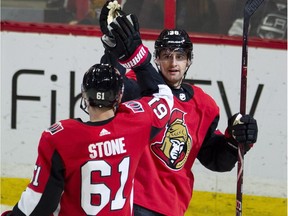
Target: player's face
x=173 y=64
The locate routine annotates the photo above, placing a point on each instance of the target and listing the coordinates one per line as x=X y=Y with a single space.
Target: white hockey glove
x=241 y=129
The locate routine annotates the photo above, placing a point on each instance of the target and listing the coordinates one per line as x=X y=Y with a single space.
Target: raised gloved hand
x=110 y=10
x=242 y=129
x=125 y=43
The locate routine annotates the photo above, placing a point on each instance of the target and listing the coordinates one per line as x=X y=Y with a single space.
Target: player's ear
x=85 y=101
x=189 y=62
x=156 y=61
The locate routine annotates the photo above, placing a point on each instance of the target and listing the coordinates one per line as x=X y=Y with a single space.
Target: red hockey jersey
x=88 y=168
x=167 y=187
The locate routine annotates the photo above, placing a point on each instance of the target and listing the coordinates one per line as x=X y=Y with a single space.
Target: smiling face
x=173 y=64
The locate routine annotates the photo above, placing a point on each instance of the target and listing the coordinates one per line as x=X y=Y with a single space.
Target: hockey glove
x=109 y=11
x=241 y=129
x=126 y=44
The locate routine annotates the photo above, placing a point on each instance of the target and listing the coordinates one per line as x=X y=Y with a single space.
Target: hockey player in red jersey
x=87 y=168
x=164 y=179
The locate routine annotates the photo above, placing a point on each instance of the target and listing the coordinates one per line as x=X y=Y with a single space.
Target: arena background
x=41 y=71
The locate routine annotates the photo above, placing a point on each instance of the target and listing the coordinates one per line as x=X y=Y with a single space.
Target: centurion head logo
x=176 y=143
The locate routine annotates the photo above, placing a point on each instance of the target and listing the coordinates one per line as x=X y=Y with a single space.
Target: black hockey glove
x=125 y=43
x=109 y=11
x=241 y=129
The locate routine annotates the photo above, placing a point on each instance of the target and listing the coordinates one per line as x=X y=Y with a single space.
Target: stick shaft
x=250 y=7
x=243 y=93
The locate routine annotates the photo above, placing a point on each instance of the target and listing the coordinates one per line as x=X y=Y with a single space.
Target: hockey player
x=87 y=168
x=172 y=180
x=164 y=180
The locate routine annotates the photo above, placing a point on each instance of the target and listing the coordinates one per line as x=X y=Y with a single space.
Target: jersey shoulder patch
x=55 y=128
x=135 y=106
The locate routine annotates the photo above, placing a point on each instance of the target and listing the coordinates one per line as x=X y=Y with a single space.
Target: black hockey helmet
x=173 y=39
x=102 y=85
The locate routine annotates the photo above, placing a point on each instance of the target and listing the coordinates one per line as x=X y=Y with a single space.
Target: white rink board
x=265 y=171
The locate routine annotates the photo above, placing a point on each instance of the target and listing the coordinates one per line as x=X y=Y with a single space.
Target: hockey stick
x=250 y=7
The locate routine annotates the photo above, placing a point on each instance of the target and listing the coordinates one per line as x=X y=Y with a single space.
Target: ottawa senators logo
x=176 y=143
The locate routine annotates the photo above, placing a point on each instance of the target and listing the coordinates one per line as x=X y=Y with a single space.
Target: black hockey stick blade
x=251 y=6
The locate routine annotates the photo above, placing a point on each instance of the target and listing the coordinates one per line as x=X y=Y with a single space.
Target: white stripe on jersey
x=165 y=93
x=28 y=201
